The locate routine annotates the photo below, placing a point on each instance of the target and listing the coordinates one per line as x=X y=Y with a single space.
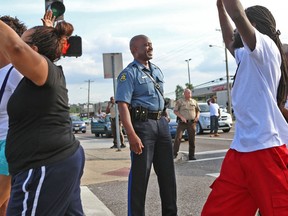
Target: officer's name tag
x=143 y=77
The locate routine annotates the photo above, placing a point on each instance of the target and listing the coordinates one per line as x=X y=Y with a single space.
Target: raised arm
x=28 y=62
x=236 y=12
x=226 y=28
x=108 y=108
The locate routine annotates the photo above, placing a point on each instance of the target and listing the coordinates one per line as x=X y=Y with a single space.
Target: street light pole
x=188 y=60
x=228 y=83
x=229 y=110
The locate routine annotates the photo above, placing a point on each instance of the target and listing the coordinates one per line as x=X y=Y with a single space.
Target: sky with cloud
x=179 y=30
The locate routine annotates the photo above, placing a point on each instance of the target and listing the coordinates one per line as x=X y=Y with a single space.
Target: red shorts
x=249 y=181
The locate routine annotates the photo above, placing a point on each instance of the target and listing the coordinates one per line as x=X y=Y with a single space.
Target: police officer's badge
x=123 y=77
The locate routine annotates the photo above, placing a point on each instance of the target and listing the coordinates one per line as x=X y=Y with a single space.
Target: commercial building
x=217 y=87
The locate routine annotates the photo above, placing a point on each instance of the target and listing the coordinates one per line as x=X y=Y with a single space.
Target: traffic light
x=57 y=8
x=74 y=47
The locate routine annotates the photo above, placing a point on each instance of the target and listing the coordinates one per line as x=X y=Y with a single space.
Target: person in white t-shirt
x=214 y=116
x=254 y=171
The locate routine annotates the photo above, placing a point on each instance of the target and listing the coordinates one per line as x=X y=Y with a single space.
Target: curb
x=92 y=206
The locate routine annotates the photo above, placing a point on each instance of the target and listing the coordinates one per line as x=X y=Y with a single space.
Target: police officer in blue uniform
x=140 y=102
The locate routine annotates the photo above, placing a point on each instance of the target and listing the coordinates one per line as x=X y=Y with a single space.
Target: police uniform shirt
x=187 y=108
x=137 y=89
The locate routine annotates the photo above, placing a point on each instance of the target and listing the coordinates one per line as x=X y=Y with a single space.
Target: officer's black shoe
x=192 y=158
x=123 y=146
x=114 y=146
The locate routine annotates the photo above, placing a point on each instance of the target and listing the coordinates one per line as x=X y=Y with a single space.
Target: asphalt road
x=193 y=177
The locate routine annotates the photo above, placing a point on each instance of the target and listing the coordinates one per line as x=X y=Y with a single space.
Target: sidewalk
x=92 y=205
x=102 y=165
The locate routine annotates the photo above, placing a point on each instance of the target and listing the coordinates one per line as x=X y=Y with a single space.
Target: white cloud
x=179 y=30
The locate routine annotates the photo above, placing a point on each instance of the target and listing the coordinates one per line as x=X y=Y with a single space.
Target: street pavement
x=107 y=165
x=106 y=174
x=102 y=165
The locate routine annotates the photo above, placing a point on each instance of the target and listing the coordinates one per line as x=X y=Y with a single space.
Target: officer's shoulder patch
x=123 y=77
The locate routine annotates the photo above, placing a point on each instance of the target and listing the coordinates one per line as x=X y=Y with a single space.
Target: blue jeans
x=214 y=124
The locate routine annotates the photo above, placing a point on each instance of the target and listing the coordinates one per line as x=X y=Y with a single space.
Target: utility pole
x=229 y=104
x=88 y=112
x=188 y=60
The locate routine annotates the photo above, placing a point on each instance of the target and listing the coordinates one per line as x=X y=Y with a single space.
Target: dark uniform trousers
x=157 y=150
x=191 y=127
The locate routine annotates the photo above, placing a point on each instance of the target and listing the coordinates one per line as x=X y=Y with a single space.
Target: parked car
x=77 y=124
x=173 y=125
x=87 y=120
x=101 y=126
x=225 y=121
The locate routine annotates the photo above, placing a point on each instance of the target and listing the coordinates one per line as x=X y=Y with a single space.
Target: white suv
x=225 y=121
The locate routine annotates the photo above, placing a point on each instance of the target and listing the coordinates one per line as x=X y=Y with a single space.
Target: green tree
x=179 y=92
x=189 y=86
x=74 y=109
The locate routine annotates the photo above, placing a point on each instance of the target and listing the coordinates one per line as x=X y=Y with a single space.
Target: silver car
x=225 y=121
x=77 y=124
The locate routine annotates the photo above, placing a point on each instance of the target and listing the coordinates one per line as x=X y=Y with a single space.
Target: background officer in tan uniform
x=111 y=109
x=187 y=111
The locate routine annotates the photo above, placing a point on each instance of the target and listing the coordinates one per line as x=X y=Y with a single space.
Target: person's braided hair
x=49 y=40
x=266 y=24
